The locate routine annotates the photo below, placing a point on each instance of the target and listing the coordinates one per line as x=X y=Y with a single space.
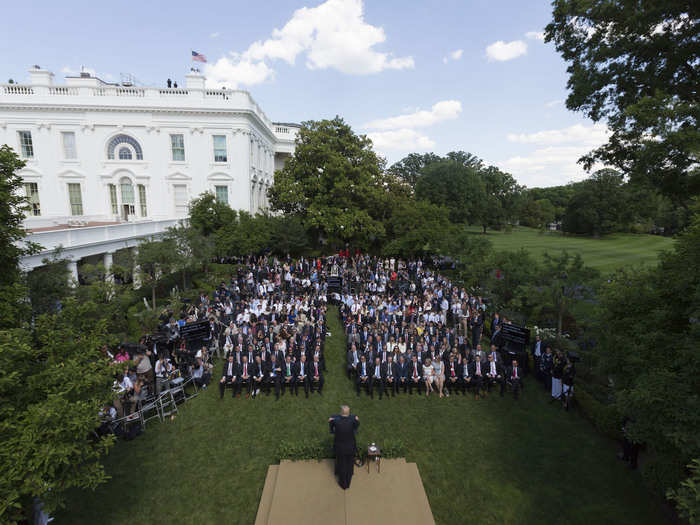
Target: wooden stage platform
x=306 y=492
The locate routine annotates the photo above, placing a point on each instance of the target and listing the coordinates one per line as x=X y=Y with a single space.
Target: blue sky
x=438 y=75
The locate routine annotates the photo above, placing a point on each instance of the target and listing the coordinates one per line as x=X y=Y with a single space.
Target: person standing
x=344 y=427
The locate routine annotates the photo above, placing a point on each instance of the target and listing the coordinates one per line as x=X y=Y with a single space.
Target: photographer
x=567 y=381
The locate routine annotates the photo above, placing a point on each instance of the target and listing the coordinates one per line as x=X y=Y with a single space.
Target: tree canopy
x=635 y=66
x=335 y=183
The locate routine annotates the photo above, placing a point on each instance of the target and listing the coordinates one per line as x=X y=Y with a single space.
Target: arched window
x=124 y=139
x=124 y=153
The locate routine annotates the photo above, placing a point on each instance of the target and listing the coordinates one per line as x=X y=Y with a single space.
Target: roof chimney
x=194 y=80
x=41 y=77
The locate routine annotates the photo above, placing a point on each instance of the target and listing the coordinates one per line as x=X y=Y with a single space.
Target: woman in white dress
x=439 y=373
x=428 y=376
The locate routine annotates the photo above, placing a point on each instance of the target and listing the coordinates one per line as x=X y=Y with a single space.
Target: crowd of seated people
x=410 y=329
x=269 y=325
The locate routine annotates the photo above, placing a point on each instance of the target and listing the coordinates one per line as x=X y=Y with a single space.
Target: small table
x=376 y=454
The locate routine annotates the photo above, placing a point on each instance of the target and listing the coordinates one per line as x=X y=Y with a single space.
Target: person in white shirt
x=428 y=376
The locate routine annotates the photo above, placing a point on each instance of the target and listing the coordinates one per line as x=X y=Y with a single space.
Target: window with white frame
x=68 y=141
x=177 y=147
x=113 y=199
x=180 y=198
x=220 y=148
x=31 y=190
x=26 y=145
x=221 y=194
x=75 y=198
x=128 y=199
x=124 y=153
x=142 y=200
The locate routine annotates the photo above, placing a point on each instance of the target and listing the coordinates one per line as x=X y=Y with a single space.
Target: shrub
x=604 y=417
x=687 y=496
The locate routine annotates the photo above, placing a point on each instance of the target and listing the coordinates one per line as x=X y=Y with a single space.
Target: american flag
x=197 y=57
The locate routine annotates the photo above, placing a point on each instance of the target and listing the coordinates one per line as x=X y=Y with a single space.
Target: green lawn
x=605 y=254
x=512 y=462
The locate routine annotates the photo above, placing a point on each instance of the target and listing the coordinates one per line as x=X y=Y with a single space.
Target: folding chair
x=190 y=381
x=177 y=390
x=167 y=404
x=149 y=409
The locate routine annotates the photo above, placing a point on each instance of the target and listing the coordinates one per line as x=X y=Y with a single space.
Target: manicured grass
x=507 y=461
x=605 y=254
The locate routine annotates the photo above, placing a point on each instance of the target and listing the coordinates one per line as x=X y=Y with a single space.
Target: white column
x=108 y=266
x=137 y=279
x=73 y=268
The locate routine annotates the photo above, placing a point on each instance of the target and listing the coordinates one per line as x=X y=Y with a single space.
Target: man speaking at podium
x=344 y=427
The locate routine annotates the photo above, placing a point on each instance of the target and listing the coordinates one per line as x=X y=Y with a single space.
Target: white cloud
x=502 y=51
x=233 y=72
x=535 y=35
x=333 y=35
x=215 y=34
x=400 y=139
x=454 y=55
x=443 y=110
x=579 y=134
x=553 y=103
x=554 y=161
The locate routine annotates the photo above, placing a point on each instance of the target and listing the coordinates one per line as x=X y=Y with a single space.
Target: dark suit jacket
x=297 y=369
x=394 y=370
x=410 y=370
x=472 y=369
x=448 y=368
x=344 y=429
x=269 y=367
x=224 y=370
x=312 y=371
x=401 y=369
x=509 y=373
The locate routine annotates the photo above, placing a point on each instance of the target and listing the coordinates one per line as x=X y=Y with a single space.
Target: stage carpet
x=306 y=492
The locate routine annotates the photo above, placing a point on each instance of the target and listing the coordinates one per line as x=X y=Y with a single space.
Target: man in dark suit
x=362 y=374
x=402 y=374
x=415 y=375
x=301 y=374
x=391 y=381
x=246 y=372
x=451 y=374
x=344 y=427
x=465 y=376
x=515 y=378
x=353 y=361
x=494 y=373
x=274 y=376
x=288 y=379
x=478 y=372
x=316 y=378
x=375 y=378
x=228 y=376
x=259 y=375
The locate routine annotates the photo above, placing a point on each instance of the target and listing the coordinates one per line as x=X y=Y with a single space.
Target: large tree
x=13 y=206
x=52 y=383
x=598 y=205
x=635 y=65
x=335 y=183
x=208 y=214
x=457 y=187
x=555 y=288
x=650 y=352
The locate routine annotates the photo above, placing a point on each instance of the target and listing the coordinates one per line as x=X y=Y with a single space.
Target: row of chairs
x=157 y=406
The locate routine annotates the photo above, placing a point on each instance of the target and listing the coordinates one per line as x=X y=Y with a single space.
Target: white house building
x=108 y=164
